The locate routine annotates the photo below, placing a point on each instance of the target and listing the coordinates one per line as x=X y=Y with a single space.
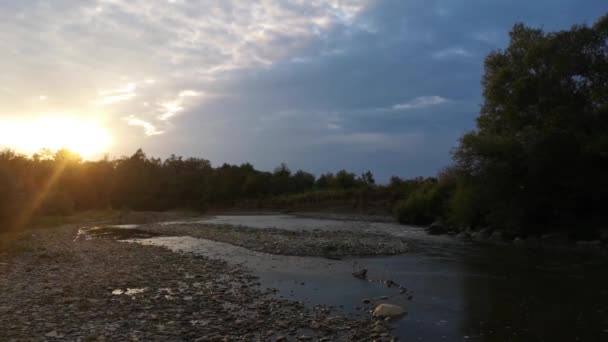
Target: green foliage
x=538 y=157
x=427 y=202
x=61 y=183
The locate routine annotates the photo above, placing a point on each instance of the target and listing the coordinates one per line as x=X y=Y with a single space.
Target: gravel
x=288 y=242
x=61 y=287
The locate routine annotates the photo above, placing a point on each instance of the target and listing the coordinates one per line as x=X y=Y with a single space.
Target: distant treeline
x=536 y=162
x=60 y=183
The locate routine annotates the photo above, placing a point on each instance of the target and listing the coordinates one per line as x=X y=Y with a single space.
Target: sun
x=87 y=138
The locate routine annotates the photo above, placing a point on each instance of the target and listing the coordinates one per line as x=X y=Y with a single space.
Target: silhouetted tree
x=538 y=156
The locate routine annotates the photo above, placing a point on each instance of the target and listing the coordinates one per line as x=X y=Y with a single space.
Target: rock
x=436 y=228
x=281 y=338
x=554 y=238
x=518 y=241
x=388 y=310
x=497 y=235
x=379 y=329
x=52 y=334
x=366 y=301
x=464 y=236
x=484 y=233
x=603 y=235
x=362 y=274
x=590 y=244
x=390 y=283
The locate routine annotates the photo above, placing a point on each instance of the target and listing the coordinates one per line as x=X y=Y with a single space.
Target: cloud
x=171 y=108
x=451 y=52
x=149 y=128
x=117 y=95
x=421 y=102
x=155 y=49
x=371 y=140
x=489 y=36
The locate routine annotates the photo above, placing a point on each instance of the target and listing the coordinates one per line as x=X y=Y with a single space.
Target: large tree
x=539 y=155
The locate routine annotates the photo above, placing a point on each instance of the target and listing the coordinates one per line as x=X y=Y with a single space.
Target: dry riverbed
x=62 y=286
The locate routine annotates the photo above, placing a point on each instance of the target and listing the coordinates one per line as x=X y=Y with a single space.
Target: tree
x=538 y=156
x=303 y=181
x=367 y=179
x=345 y=179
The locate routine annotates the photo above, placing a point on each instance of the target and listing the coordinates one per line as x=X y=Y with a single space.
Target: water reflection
x=544 y=296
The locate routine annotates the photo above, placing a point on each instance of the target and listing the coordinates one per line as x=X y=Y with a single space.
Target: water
x=461 y=292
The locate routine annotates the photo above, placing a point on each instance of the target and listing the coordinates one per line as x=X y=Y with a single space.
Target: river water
x=459 y=291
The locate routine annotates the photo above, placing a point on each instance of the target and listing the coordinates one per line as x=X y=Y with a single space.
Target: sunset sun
x=87 y=138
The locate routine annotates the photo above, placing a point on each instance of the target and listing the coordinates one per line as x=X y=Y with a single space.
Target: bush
x=427 y=203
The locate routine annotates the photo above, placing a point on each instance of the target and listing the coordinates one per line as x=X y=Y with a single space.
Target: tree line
x=60 y=183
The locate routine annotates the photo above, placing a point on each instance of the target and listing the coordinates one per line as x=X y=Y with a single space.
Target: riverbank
x=54 y=286
x=277 y=241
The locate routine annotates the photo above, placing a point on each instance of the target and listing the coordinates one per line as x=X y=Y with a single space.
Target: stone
x=484 y=233
x=436 y=228
x=464 y=236
x=52 y=334
x=554 y=238
x=388 y=311
x=518 y=241
x=390 y=283
x=590 y=243
x=497 y=235
x=362 y=274
x=379 y=328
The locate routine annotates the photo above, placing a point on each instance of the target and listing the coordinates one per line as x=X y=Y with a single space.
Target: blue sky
x=322 y=85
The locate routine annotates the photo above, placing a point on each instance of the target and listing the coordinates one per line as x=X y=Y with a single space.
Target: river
x=456 y=291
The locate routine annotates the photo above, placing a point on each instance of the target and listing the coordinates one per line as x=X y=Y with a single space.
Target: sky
x=322 y=85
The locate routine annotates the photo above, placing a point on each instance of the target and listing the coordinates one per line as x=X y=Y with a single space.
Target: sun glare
x=86 y=138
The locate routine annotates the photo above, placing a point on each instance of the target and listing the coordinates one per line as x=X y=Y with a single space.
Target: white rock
x=52 y=334
x=388 y=310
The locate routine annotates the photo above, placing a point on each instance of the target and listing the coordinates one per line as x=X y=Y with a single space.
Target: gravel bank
x=285 y=242
x=60 y=287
